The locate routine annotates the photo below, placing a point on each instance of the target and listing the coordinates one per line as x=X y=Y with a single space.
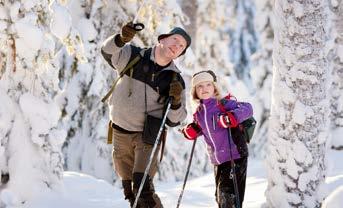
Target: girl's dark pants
x=224 y=183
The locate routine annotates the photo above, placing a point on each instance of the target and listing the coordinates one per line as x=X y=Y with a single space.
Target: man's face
x=172 y=46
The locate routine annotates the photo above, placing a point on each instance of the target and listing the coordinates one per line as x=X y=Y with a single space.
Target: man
x=143 y=91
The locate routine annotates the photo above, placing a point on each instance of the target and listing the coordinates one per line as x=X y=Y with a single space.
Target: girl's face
x=205 y=90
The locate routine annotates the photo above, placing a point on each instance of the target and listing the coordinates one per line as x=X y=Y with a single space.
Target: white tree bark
x=300 y=109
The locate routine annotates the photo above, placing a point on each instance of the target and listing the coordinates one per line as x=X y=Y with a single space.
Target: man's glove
x=127 y=32
x=227 y=120
x=175 y=90
x=191 y=131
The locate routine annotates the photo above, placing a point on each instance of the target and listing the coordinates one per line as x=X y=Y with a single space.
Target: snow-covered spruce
x=31 y=140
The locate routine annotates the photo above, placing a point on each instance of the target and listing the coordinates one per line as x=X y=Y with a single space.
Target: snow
x=334 y=3
x=86 y=29
x=32 y=129
x=14 y=10
x=30 y=37
x=61 y=21
x=340 y=52
x=9 y=198
x=2 y=13
x=84 y=191
x=81 y=190
x=335 y=199
x=298 y=10
x=299 y=113
x=302 y=155
x=30 y=4
x=41 y=116
x=337 y=137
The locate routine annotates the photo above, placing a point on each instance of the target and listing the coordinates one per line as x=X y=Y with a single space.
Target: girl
x=216 y=119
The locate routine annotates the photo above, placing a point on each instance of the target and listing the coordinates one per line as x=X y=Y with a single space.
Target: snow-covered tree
x=210 y=49
x=243 y=37
x=300 y=110
x=337 y=75
x=83 y=84
x=261 y=74
x=31 y=160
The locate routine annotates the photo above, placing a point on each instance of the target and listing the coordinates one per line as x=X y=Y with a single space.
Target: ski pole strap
x=128 y=66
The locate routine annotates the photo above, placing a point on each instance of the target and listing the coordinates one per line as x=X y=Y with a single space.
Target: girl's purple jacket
x=215 y=136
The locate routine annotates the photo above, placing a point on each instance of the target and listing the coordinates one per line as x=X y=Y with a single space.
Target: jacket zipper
x=209 y=134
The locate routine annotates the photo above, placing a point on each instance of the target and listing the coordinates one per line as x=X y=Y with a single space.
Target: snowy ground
x=87 y=192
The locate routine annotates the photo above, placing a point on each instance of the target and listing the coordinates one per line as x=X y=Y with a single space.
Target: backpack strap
x=128 y=66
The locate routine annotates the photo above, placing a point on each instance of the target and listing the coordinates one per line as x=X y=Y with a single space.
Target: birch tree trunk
x=300 y=108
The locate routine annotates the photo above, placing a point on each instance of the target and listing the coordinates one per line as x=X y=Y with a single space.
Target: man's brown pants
x=131 y=155
x=130 y=158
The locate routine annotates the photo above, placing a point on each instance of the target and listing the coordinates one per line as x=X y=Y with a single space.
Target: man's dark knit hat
x=180 y=31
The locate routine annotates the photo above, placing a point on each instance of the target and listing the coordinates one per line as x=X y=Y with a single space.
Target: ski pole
x=233 y=173
x=157 y=140
x=138 y=26
x=186 y=176
x=139 y=9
